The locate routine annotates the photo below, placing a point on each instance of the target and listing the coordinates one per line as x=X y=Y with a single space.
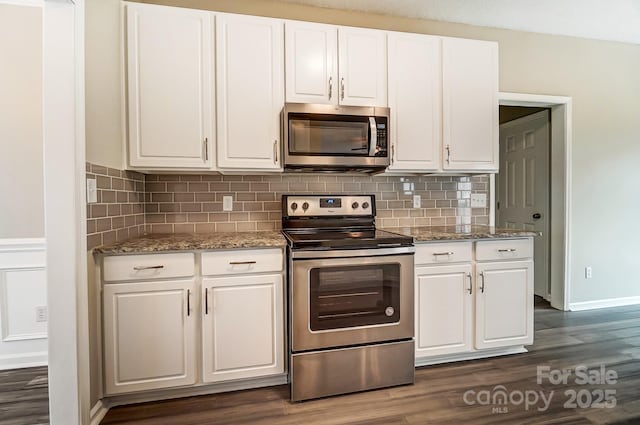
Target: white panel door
x=169 y=77
x=523 y=186
x=243 y=327
x=443 y=310
x=250 y=91
x=149 y=335
x=504 y=304
x=415 y=100
x=311 y=62
x=362 y=66
x=470 y=104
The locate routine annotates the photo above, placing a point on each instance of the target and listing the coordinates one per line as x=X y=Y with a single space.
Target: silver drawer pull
x=138 y=268
x=237 y=263
x=443 y=253
x=507 y=250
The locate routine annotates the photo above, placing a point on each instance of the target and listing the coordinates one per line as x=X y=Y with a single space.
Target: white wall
x=21 y=193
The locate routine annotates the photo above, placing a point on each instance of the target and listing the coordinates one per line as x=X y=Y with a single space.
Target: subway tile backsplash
x=131 y=203
x=191 y=203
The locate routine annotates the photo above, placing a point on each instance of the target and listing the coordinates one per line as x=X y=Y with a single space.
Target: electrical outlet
x=588 y=273
x=92 y=191
x=41 y=313
x=416 y=201
x=227 y=203
x=478 y=200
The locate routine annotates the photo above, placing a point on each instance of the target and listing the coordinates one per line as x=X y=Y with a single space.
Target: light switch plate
x=227 y=203
x=92 y=191
x=478 y=200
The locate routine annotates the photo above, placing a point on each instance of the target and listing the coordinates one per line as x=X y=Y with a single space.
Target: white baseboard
x=427 y=361
x=98 y=412
x=22 y=360
x=611 y=302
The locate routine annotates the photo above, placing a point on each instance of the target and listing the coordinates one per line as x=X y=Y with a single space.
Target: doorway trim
x=560 y=196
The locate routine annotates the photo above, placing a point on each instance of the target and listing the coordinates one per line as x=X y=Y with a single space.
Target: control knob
x=294 y=206
x=365 y=205
x=305 y=206
x=355 y=205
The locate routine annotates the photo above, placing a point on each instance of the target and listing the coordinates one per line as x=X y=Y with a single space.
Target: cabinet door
x=415 y=101
x=470 y=104
x=504 y=304
x=243 y=327
x=169 y=77
x=250 y=91
x=443 y=310
x=311 y=62
x=362 y=66
x=149 y=335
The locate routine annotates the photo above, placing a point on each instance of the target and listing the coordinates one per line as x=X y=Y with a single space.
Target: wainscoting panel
x=23 y=303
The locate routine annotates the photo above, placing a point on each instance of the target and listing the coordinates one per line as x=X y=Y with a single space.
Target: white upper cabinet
x=250 y=91
x=311 y=62
x=470 y=105
x=169 y=86
x=362 y=66
x=415 y=101
x=335 y=65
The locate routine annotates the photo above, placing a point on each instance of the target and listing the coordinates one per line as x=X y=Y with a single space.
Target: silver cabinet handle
x=275 y=151
x=393 y=153
x=188 y=302
x=206 y=300
x=235 y=263
x=138 y=268
x=443 y=253
x=206 y=148
x=470 y=284
x=330 y=87
x=342 y=88
x=448 y=154
x=507 y=250
x=482 y=280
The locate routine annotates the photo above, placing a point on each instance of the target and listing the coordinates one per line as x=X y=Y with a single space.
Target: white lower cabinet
x=243 y=327
x=460 y=311
x=150 y=333
x=160 y=310
x=504 y=304
x=443 y=310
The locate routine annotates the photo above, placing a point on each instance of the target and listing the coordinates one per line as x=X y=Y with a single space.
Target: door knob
x=536 y=216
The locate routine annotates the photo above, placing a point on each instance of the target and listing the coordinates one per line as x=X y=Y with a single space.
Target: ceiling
x=615 y=20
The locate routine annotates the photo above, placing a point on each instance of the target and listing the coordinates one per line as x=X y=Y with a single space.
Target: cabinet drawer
x=240 y=261
x=152 y=266
x=509 y=249
x=442 y=253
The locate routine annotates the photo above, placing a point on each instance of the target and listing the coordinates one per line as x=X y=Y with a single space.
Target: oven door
x=339 y=302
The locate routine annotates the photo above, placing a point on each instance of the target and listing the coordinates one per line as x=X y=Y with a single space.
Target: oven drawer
x=150 y=266
x=509 y=249
x=240 y=261
x=443 y=253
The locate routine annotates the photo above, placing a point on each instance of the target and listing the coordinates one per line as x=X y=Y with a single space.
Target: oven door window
x=350 y=296
x=329 y=137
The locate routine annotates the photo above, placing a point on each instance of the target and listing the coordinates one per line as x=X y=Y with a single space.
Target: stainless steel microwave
x=335 y=138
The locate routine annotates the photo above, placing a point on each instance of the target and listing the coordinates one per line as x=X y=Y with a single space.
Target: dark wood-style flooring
x=608 y=337
x=24 y=398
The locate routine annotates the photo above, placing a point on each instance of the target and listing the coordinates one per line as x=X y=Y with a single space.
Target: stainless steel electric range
x=351 y=307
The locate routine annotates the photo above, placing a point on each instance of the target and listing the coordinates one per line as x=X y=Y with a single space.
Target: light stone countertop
x=194 y=241
x=460 y=232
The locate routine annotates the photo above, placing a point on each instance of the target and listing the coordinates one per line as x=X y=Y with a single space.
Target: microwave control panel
x=381 y=129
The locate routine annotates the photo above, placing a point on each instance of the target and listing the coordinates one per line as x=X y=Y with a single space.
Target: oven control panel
x=329 y=205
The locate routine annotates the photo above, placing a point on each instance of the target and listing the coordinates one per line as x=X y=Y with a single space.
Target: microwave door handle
x=373 y=138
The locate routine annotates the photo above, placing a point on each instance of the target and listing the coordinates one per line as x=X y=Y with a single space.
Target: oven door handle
x=350 y=253
x=373 y=136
